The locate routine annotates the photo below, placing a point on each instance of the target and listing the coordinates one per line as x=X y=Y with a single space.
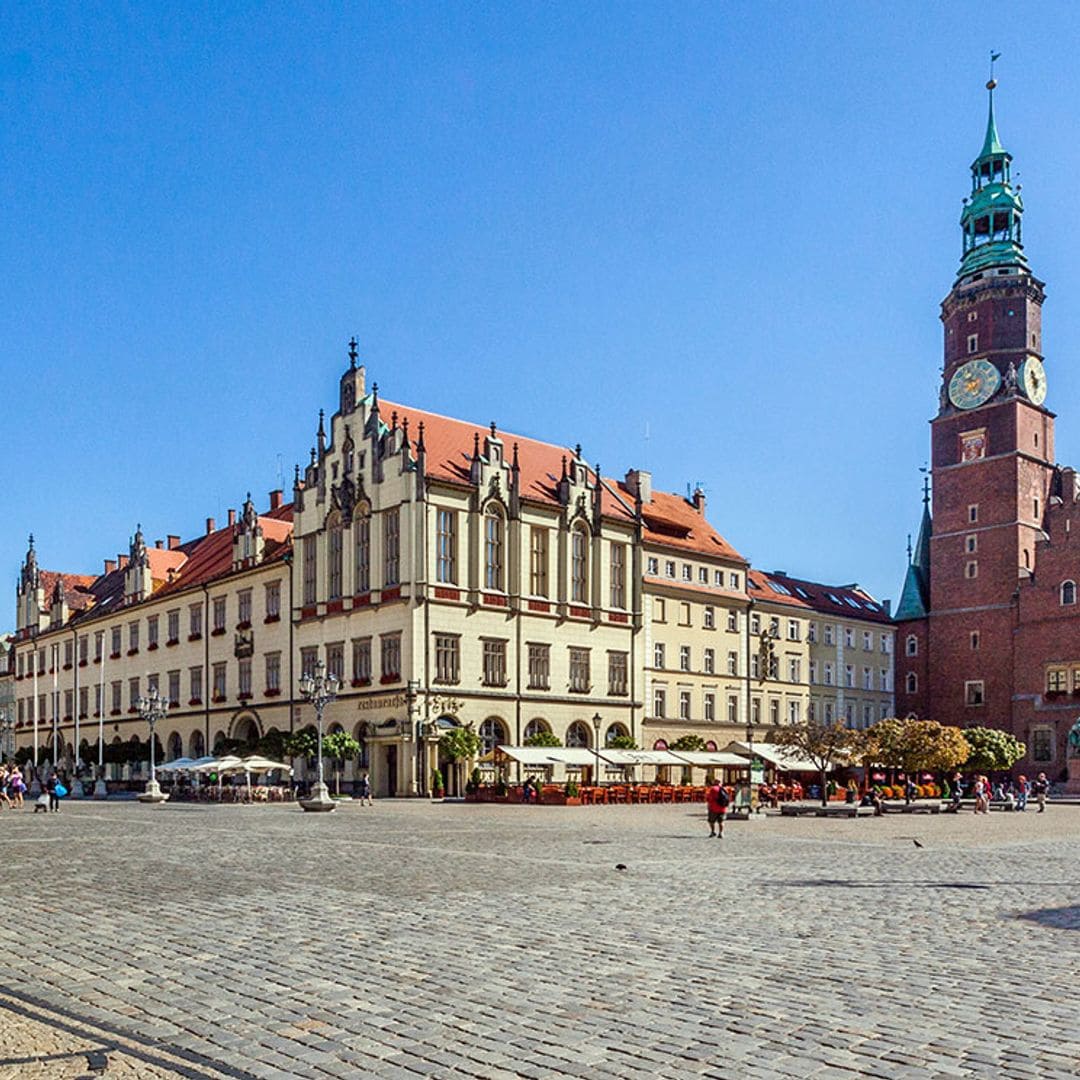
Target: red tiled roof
x=76 y=588
x=449 y=444
x=675 y=522
x=842 y=601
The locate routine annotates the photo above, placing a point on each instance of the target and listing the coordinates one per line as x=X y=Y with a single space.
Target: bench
x=798 y=810
x=932 y=806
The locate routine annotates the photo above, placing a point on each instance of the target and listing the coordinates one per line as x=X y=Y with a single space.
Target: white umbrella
x=261 y=764
x=229 y=763
x=176 y=765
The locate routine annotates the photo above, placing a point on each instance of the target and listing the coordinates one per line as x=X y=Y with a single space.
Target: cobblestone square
x=416 y=939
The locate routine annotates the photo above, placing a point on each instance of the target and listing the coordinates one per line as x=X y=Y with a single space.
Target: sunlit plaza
x=458 y=940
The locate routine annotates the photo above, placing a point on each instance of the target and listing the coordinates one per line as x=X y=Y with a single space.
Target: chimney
x=173 y=541
x=122 y=561
x=159 y=544
x=275 y=499
x=639 y=483
x=110 y=565
x=699 y=501
x=211 y=525
x=232 y=517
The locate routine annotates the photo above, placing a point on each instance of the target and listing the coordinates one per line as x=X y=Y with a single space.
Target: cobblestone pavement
x=456 y=940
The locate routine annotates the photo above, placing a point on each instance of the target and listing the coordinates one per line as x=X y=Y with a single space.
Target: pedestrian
x=957 y=792
x=717 y=801
x=852 y=795
x=982 y=795
x=365 y=790
x=1023 y=789
x=16 y=787
x=50 y=786
x=1040 y=789
x=911 y=789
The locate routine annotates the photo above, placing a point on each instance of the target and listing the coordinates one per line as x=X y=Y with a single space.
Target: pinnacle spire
x=991 y=144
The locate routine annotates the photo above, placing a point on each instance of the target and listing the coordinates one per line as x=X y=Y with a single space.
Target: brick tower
x=992 y=470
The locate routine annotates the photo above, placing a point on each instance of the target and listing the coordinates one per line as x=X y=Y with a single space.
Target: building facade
x=204 y=622
x=450 y=576
x=988 y=627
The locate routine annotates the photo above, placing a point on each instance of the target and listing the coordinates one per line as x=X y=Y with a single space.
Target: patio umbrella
x=176 y=765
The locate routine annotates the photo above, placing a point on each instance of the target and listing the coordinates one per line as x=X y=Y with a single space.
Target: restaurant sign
x=381 y=701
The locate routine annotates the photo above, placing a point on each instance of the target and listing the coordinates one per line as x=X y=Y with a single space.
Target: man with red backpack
x=716 y=802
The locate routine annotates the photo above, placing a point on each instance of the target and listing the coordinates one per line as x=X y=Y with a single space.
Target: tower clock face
x=1033 y=380
x=973 y=383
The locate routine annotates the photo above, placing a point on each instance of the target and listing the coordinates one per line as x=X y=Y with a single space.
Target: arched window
x=1068 y=592
x=196 y=745
x=492 y=734
x=536 y=727
x=311 y=569
x=912 y=645
x=334 y=533
x=912 y=682
x=363 y=553
x=577 y=734
x=579 y=565
x=175 y=746
x=615 y=731
x=493 y=550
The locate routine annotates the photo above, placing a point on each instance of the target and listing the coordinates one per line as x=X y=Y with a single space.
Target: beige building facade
x=204 y=622
x=450 y=576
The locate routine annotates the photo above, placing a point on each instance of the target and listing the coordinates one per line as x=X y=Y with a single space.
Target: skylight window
x=851 y=603
x=802 y=592
x=778 y=588
x=833 y=599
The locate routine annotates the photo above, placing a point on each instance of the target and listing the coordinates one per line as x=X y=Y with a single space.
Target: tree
x=821 y=744
x=684 y=742
x=302 y=744
x=459 y=745
x=991 y=750
x=622 y=742
x=341 y=747
x=543 y=738
x=913 y=745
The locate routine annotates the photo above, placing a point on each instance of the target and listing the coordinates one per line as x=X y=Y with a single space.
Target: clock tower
x=992 y=464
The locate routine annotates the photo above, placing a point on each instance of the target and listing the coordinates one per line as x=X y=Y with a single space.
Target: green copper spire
x=915 y=597
x=991 y=219
x=991 y=144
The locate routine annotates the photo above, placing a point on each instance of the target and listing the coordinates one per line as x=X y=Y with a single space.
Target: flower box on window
x=171 y=642
x=244 y=625
x=67 y=667
x=195 y=701
x=83 y=663
x=390 y=678
x=194 y=637
x=362 y=682
x=245 y=695
x=218 y=699
x=217 y=631
x=272 y=693
x=114 y=656
x=133 y=652
x=152 y=646
x=272 y=618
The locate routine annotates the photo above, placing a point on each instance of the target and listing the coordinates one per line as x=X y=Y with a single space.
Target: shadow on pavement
x=128 y=1042
x=1062 y=918
x=892 y=883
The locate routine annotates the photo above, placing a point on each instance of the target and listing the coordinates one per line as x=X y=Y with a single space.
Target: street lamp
x=7 y=733
x=319 y=689
x=152 y=709
x=596 y=723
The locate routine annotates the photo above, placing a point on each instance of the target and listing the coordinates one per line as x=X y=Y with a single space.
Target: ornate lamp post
x=319 y=689
x=597 y=721
x=152 y=709
x=7 y=734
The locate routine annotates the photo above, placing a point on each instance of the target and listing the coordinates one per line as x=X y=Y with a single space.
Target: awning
x=640 y=757
x=783 y=759
x=707 y=759
x=548 y=755
x=176 y=765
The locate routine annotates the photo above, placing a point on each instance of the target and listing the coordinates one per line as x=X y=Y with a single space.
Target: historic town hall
x=988 y=628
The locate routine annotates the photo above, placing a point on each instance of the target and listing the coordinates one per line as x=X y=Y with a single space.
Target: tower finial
x=909 y=547
x=926 y=491
x=352 y=353
x=991 y=144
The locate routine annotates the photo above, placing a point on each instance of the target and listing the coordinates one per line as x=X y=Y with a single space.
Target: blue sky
x=705 y=239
